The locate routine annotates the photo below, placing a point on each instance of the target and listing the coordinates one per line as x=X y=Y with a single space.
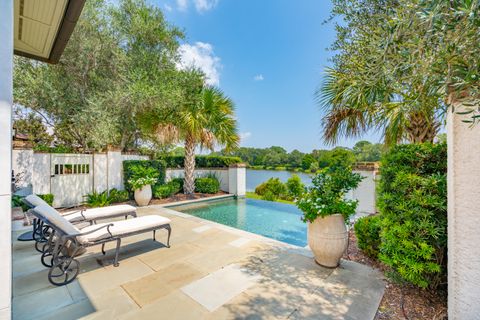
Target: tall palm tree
x=207 y=120
x=355 y=102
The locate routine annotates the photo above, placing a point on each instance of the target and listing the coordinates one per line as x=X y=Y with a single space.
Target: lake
x=255 y=177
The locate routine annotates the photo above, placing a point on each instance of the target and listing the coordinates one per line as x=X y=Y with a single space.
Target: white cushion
x=101 y=213
x=54 y=218
x=123 y=227
x=35 y=200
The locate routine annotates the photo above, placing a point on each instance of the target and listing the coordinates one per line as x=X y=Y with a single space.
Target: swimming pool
x=274 y=220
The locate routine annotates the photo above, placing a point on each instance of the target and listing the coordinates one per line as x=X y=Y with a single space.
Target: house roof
x=42 y=27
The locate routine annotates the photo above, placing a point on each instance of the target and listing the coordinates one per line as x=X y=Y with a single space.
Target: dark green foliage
x=103 y=199
x=172 y=187
x=327 y=195
x=202 y=161
x=130 y=167
x=118 y=195
x=97 y=199
x=48 y=198
x=272 y=189
x=17 y=201
x=295 y=186
x=207 y=185
x=413 y=205
x=367 y=231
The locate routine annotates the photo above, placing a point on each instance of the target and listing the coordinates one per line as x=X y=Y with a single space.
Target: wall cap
x=238 y=165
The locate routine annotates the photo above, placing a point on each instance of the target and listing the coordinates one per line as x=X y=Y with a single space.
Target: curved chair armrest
x=73 y=212
x=91 y=231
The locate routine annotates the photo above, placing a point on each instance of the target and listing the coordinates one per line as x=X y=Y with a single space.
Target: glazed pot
x=328 y=239
x=143 y=196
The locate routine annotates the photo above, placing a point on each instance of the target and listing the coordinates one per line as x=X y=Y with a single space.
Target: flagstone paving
x=209 y=272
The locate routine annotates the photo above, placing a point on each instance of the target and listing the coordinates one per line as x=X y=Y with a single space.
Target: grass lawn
x=253 y=195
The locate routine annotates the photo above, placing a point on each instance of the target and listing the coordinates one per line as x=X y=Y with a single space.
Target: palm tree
x=355 y=102
x=206 y=120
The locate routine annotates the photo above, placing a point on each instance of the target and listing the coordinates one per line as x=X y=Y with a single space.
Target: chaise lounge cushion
x=55 y=219
x=102 y=213
x=124 y=227
x=35 y=200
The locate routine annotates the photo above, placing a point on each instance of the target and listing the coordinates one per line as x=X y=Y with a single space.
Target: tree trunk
x=421 y=129
x=189 y=166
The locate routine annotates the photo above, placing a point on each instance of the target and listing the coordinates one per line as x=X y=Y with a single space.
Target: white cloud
x=201 y=55
x=182 y=5
x=205 y=5
x=168 y=8
x=245 y=136
x=258 y=77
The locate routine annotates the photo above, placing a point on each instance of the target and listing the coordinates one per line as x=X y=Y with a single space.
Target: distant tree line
x=278 y=158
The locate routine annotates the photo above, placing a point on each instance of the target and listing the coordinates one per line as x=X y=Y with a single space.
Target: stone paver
x=210 y=272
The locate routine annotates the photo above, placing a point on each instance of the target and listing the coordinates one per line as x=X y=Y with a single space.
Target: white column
x=463 y=218
x=6 y=101
x=237 y=179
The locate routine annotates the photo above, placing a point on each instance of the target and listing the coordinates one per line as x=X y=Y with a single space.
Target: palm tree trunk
x=421 y=129
x=189 y=165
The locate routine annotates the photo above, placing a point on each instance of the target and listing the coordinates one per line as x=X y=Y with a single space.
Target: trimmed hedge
x=207 y=185
x=158 y=165
x=367 y=231
x=202 y=161
x=413 y=207
x=172 y=187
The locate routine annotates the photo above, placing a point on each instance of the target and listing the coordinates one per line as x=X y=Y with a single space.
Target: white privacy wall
x=365 y=193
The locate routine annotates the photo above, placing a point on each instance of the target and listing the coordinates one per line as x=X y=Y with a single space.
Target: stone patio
x=210 y=272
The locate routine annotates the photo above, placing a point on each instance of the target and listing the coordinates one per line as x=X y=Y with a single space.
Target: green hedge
x=202 y=161
x=413 y=206
x=207 y=185
x=367 y=231
x=48 y=198
x=169 y=189
x=158 y=165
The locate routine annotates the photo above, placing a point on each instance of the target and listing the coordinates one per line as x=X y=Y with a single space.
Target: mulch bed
x=401 y=301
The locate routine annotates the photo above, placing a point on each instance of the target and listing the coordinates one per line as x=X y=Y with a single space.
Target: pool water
x=275 y=220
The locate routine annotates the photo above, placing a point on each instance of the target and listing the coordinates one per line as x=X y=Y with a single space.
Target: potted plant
x=326 y=211
x=141 y=182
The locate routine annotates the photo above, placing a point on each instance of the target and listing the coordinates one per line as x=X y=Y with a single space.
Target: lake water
x=255 y=177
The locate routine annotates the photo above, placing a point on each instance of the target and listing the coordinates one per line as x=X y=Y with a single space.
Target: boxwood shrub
x=207 y=185
x=202 y=161
x=367 y=231
x=413 y=205
x=158 y=165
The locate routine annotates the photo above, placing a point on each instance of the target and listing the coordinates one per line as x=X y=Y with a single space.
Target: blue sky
x=268 y=56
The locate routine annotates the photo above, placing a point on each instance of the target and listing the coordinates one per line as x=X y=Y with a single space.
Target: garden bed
x=401 y=301
x=183 y=197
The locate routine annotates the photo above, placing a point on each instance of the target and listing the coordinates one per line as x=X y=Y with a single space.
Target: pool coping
x=305 y=251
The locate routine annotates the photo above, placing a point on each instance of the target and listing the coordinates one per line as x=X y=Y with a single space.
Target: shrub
x=207 y=185
x=118 y=195
x=413 y=205
x=48 y=198
x=272 y=189
x=327 y=195
x=130 y=168
x=295 y=186
x=163 y=191
x=178 y=184
x=96 y=199
x=17 y=201
x=367 y=231
x=202 y=161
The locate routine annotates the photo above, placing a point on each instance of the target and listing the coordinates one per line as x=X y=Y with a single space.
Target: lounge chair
x=64 y=267
x=91 y=216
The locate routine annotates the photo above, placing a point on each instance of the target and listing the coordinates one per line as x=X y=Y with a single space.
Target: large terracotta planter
x=328 y=239
x=143 y=196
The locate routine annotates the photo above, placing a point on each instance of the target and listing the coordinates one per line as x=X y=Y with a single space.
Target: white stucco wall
x=41 y=172
x=365 y=193
x=100 y=182
x=6 y=102
x=463 y=218
x=220 y=173
x=237 y=175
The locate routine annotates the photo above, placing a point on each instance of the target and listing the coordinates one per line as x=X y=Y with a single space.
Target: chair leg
x=103 y=248
x=154 y=235
x=169 y=229
x=115 y=262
